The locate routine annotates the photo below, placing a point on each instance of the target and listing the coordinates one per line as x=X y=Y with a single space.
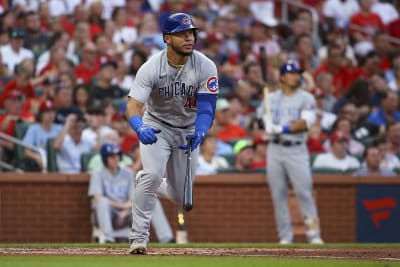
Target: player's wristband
x=286 y=129
x=136 y=122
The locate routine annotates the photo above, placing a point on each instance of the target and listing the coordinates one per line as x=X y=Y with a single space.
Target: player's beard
x=180 y=52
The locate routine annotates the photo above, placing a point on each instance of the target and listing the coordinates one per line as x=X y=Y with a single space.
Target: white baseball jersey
x=285 y=109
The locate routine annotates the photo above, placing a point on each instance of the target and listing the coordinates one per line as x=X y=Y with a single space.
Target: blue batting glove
x=195 y=138
x=147 y=135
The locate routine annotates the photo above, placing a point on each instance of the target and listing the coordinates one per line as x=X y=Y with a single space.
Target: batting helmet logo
x=212 y=84
x=185 y=21
x=178 y=22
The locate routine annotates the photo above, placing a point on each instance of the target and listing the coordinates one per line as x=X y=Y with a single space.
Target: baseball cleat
x=138 y=247
x=316 y=241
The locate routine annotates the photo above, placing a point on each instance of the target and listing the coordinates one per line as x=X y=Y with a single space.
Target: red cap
x=259 y=139
x=317 y=92
x=46 y=105
x=338 y=136
x=215 y=37
x=12 y=94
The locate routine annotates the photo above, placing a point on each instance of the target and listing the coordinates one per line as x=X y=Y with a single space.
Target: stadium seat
x=85 y=159
x=230 y=158
x=51 y=156
x=19 y=132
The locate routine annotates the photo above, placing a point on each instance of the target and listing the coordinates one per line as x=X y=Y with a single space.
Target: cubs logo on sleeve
x=212 y=84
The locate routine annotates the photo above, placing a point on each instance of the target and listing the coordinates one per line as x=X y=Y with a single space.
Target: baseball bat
x=188 y=190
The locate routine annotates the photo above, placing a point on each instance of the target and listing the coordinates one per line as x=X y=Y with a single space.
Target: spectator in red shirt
x=334 y=64
x=364 y=24
x=368 y=67
x=13 y=100
x=227 y=131
x=20 y=83
x=88 y=68
x=260 y=144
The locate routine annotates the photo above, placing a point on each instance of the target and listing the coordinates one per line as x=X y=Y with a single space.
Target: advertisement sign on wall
x=378 y=213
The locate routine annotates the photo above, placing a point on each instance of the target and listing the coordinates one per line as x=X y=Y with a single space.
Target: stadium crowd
x=67 y=66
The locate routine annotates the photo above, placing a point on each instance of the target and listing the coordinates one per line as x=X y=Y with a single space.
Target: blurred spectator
x=213 y=47
x=124 y=35
x=227 y=131
x=316 y=137
x=110 y=110
x=95 y=12
x=64 y=103
x=12 y=115
x=394 y=84
x=209 y=163
x=385 y=9
x=365 y=23
x=260 y=144
x=58 y=39
x=383 y=48
x=369 y=65
x=339 y=38
x=244 y=153
x=324 y=80
x=261 y=34
x=393 y=137
x=95 y=127
x=70 y=145
x=13 y=52
x=389 y=160
x=354 y=147
x=327 y=118
x=89 y=66
x=337 y=159
x=304 y=53
x=360 y=129
x=105 y=48
x=36 y=40
x=334 y=65
x=387 y=112
x=337 y=13
x=223 y=148
x=102 y=87
x=39 y=133
x=255 y=127
x=253 y=75
x=48 y=91
x=21 y=83
x=359 y=94
x=81 y=97
x=371 y=164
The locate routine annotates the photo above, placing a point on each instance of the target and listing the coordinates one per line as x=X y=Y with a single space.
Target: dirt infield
x=378 y=254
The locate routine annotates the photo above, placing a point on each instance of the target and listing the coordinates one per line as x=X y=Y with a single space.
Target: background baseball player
x=180 y=87
x=111 y=188
x=292 y=112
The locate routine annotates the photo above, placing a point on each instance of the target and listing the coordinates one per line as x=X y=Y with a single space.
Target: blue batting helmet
x=109 y=149
x=178 y=22
x=290 y=66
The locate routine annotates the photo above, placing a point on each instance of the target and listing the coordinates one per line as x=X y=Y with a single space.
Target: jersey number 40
x=190 y=102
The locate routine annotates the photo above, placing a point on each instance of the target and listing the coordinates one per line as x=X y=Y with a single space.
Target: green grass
x=174 y=261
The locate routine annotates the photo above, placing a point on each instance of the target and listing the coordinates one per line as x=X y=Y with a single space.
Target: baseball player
x=292 y=112
x=179 y=89
x=111 y=187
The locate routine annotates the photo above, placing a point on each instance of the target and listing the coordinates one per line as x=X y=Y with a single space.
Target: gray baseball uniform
x=169 y=95
x=288 y=160
x=120 y=188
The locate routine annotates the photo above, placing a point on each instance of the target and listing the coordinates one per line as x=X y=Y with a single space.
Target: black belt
x=169 y=124
x=286 y=142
